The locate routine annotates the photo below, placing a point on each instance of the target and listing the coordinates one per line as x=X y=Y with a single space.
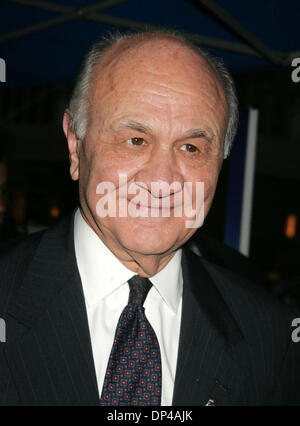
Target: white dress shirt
x=105 y=285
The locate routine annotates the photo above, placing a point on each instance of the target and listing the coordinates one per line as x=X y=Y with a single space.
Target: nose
x=161 y=174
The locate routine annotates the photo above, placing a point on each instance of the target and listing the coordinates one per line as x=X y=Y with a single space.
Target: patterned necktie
x=133 y=375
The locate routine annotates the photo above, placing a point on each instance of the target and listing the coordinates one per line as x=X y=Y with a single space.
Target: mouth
x=158 y=210
x=157 y=205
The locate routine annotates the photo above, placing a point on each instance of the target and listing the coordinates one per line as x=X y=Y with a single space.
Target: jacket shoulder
x=267 y=326
x=15 y=256
x=250 y=303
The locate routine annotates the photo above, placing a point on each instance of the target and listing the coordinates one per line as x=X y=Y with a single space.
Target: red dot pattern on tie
x=133 y=375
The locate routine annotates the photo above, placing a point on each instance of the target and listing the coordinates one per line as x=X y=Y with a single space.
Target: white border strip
x=245 y=229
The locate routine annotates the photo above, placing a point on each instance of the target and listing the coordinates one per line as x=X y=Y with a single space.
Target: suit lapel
x=51 y=356
x=206 y=369
x=51 y=360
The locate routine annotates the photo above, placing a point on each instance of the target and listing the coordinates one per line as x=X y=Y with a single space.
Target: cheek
x=109 y=160
x=209 y=177
x=102 y=178
x=98 y=165
x=209 y=192
x=210 y=184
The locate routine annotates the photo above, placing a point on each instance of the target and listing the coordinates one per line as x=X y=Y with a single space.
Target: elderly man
x=111 y=307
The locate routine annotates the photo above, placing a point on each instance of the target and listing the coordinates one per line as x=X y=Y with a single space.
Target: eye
x=136 y=141
x=189 y=148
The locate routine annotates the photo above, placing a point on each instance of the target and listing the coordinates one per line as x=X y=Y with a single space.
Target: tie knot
x=139 y=288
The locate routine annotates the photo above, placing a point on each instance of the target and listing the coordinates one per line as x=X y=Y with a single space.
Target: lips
x=153 y=206
x=146 y=200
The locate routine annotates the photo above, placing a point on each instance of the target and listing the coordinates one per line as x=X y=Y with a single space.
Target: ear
x=73 y=144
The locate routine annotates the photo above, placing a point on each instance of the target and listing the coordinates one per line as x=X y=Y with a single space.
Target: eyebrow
x=190 y=134
x=134 y=125
x=199 y=133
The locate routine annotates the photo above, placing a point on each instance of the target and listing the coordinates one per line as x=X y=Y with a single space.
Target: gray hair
x=79 y=99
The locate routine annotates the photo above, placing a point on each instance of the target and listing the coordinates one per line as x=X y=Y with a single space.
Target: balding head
x=109 y=51
x=126 y=73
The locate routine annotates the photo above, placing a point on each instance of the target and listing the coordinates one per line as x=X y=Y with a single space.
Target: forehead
x=159 y=71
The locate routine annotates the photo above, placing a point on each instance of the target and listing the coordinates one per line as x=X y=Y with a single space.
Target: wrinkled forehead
x=122 y=64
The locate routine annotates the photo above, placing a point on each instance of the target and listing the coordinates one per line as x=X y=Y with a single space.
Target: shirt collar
x=100 y=270
x=102 y=273
x=169 y=282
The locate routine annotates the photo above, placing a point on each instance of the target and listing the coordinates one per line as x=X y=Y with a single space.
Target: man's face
x=157 y=114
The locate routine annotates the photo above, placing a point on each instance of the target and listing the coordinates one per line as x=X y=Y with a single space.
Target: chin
x=147 y=241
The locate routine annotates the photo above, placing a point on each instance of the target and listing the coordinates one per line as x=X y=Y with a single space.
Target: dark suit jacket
x=235 y=342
